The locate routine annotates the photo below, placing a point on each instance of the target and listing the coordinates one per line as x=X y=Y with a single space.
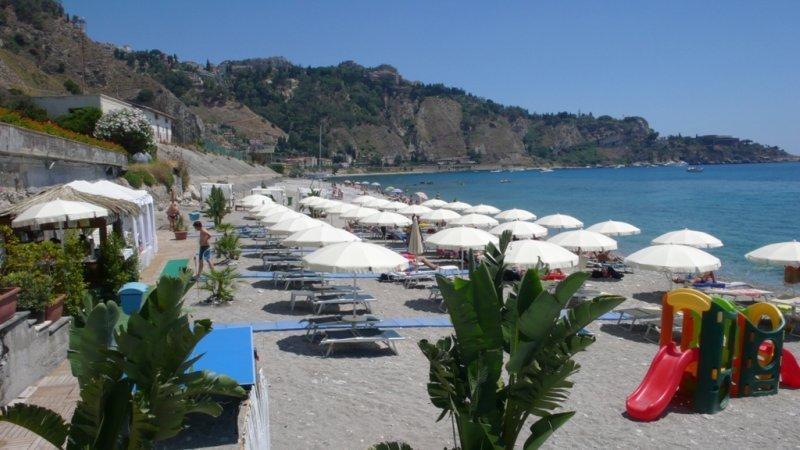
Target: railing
x=256 y=424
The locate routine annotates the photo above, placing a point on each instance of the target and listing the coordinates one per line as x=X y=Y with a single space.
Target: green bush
x=72 y=87
x=134 y=179
x=145 y=96
x=278 y=167
x=80 y=120
x=148 y=179
x=216 y=206
x=114 y=270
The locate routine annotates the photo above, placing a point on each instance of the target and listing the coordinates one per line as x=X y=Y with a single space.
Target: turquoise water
x=746 y=206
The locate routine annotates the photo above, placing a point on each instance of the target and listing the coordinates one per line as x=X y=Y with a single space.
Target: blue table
x=228 y=351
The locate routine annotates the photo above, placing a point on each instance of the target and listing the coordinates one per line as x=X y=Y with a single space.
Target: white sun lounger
x=360 y=336
x=318 y=301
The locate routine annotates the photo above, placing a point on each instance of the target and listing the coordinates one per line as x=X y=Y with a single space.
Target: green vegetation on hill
x=366 y=115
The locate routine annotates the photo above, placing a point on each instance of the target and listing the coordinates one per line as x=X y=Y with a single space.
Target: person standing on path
x=205 y=247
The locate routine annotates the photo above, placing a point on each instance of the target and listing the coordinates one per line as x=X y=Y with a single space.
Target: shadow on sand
x=424 y=305
x=299 y=345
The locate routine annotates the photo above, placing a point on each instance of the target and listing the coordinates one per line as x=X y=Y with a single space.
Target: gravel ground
x=364 y=395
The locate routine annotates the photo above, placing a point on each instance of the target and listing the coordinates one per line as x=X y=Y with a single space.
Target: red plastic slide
x=790 y=370
x=660 y=383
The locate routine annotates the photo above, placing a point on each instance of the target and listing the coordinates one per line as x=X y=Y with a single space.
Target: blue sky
x=688 y=66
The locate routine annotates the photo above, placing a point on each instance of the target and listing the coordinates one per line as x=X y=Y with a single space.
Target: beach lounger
x=317 y=324
x=318 y=302
x=641 y=313
x=360 y=336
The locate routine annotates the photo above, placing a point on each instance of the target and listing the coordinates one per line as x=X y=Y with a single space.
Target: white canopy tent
x=142 y=228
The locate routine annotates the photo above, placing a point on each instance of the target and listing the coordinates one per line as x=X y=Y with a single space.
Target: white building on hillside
x=60 y=105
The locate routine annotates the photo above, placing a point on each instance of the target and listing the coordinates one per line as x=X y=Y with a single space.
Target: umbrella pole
x=354 y=294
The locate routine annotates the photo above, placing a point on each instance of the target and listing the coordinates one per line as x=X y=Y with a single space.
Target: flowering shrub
x=128 y=128
x=14 y=118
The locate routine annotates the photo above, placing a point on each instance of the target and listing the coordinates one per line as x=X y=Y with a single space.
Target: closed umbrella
x=386 y=219
x=673 y=259
x=520 y=229
x=692 y=238
x=434 y=203
x=584 y=241
x=354 y=257
x=559 y=221
x=415 y=245
x=530 y=253
x=457 y=206
x=515 y=214
x=414 y=210
x=358 y=213
x=295 y=224
x=780 y=254
x=614 y=228
x=482 y=209
x=475 y=220
x=319 y=237
x=440 y=215
x=57 y=211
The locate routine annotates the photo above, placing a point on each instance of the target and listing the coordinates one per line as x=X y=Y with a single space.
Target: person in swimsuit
x=205 y=247
x=172 y=214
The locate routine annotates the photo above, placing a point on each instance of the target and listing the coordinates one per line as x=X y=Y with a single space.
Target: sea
x=744 y=205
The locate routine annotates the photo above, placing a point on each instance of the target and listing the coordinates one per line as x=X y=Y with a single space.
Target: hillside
x=369 y=115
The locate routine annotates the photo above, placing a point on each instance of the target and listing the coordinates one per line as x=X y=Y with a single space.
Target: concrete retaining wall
x=33 y=159
x=29 y=353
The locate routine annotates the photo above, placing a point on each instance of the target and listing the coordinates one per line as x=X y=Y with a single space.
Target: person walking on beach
x=172 y=214
x=205 y=248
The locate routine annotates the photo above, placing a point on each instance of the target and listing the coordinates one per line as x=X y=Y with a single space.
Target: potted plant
x=55 y=308
x=180 y=228
x=38 y=294
x=8 y=302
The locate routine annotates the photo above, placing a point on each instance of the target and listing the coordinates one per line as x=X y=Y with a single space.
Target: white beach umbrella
x=488 y=210
x=394 y=206
x=421 y=195
x=674 y=259
x=559 y=221
x=515 y=214
x=254 y=200
x=265 y=206
x=324 y=203
x=386 y=219
x=331 y=204
x=311 y=200
x=434 y=203
x=376 y=203
x=57 y=211
x=319 y=237
x=457 y=206
x=780 y=254
x=461 y=238
x=692 y=238
x=268 y=210
x=520 y=229
x=414 y=210
x=474 y=220
x=583 y=241
x=440 y=215
x=272 y=219
x=294 y=224
x=529 y=253
x=375 y=183
x=358 y=213
x=355 y=257
x=361 y=199
x=614 y=228
x=341 y=208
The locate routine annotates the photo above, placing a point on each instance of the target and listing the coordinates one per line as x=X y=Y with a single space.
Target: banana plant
x=530 y=334
x=136 y=379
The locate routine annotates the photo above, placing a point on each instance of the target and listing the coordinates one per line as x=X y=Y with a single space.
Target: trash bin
x=132 y=295
x=194 y=216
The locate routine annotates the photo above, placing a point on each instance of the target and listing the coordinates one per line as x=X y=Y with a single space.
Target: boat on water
x=505 y=180
x=546 y=170
x=694 y=169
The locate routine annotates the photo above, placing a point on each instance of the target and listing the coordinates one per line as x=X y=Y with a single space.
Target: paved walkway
x=169 y=248
x=57 y=391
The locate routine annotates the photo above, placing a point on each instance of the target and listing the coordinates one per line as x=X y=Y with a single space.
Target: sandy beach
x=363 y=395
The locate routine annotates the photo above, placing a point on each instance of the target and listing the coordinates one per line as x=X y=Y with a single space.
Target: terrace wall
x=29 y=352
x=32 y=159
